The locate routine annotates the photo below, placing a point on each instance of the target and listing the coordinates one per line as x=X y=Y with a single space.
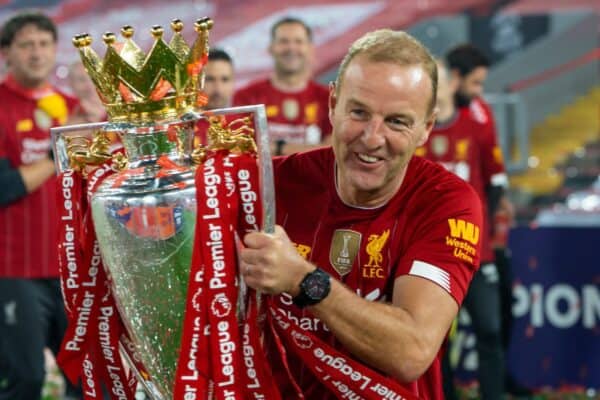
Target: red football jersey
x=469 y=149
x=28 y=227
x=299 y=117
x=430 y=229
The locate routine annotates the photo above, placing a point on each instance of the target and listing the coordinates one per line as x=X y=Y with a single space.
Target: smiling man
x=296 y=105
x=31 y=315
x=375 y=248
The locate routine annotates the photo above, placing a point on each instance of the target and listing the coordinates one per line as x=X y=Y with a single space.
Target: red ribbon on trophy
x=227 y=363
x=90 y=347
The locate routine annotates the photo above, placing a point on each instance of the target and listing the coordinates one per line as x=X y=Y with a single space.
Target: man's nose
x=373 y=135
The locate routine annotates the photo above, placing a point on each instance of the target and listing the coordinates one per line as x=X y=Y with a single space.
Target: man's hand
x=271 y=264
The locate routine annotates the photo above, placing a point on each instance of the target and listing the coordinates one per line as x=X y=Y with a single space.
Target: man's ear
x=429 y=124
x=332 y=100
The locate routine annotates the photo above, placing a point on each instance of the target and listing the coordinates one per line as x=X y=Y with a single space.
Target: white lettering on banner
x=93 y=180
x=345 y=391
x=226 y=348
x=386 y=392
x=217 y=256
x=83 y=317
x=211 y=180
x=94 y=264
x=104 y=333
x=191 y=365
x=561 y=305
x=248 y=197
x=71 y=260
x=341 y=365
x=88 y=372
x=68 y=244
x=249 y=360
x=67 y=185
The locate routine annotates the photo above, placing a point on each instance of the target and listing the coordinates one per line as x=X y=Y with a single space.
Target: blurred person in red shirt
x=469 y=66
x=32 y=315
x=466 y=147
x=219 y=86
x=376 y=247
x=296 y=105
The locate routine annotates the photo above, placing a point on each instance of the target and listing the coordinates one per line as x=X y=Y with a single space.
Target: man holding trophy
x=350 y=296
x=411 y=228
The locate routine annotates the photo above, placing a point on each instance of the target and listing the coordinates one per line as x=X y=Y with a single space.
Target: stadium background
x=544 y=88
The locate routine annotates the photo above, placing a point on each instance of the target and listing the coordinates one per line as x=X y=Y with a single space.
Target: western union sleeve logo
x=464 y=230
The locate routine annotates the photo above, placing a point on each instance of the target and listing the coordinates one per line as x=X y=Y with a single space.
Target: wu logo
x=464 y=230
x=374 y=248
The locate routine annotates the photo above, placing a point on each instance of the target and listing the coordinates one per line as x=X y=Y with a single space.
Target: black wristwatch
x=314 y=287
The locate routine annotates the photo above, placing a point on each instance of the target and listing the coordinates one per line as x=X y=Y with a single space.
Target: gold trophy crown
x=138 y=87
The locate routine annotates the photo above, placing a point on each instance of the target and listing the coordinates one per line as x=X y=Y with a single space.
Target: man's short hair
x=219 y=55
x=396 y=47
x=291 y=20
x=465 y=58
x=18 y=21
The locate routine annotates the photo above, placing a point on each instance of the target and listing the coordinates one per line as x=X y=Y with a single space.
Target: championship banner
x=556 y=308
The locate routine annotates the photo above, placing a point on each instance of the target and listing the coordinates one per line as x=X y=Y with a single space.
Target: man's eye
x=398 y=123
x=358 y=113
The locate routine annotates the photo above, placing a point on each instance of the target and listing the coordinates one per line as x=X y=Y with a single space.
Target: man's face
x=31 y=55
x=379 y=117
x=471 y=85
x=291 y=49
x=218 y=83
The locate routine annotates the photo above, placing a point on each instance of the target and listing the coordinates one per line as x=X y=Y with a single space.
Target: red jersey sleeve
x=445 y=248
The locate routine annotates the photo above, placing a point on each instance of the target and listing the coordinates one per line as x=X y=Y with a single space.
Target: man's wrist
x=314 y=288
x=295 y=290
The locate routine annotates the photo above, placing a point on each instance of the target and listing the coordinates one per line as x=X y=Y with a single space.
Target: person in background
x=296 y=105
x=219 y=79
x=375 y=248
x=470 y=67
x=219 y=85
x=32 y=316
x=460 y=144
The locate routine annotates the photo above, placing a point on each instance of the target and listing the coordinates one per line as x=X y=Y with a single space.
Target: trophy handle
x=59 y=142
x=265 y=165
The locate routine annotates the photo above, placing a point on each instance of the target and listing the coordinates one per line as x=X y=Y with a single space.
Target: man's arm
x=18 y=182
x=400 y=339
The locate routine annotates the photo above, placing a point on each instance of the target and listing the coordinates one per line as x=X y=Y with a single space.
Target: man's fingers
x=252 y=256
x=256 y=240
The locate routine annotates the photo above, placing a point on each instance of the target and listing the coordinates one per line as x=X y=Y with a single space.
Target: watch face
x=316 y=286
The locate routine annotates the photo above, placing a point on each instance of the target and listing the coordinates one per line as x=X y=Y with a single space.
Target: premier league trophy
x=144 y=206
